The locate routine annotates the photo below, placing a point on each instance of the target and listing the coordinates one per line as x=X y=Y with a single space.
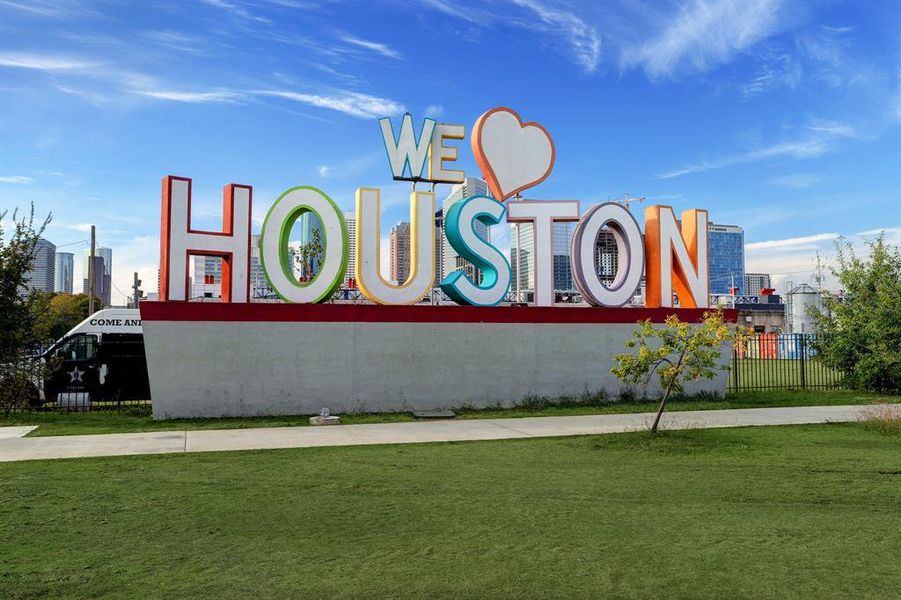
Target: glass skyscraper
x=451 y=260
x=726 y=247
x=307 y=223
x=42 y=274
x=563 y=274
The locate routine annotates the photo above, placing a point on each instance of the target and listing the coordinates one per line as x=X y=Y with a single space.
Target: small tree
x=56 y=314
x=18 y=374
x=309 y=252
x=676 y=352
x=859 y=333
x=17 y=254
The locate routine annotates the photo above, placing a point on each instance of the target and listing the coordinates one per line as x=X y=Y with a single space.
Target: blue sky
x=784 y=118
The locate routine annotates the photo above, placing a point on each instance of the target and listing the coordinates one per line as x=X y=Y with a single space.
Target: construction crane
x=629 y=199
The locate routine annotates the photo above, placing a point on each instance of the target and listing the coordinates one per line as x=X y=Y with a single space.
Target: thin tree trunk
x=666 y=394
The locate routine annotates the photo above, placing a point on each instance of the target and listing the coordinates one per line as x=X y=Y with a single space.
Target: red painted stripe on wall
x=371 y=313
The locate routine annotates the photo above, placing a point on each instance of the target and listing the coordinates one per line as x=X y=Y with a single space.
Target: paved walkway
x=165 y=442
x=7 y=433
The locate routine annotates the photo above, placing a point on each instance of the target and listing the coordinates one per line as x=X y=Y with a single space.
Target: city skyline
x=789 y=130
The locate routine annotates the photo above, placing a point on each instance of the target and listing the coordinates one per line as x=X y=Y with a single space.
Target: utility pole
x=136 y=290
x=519 y=297
x=91 y=274
x=818 y=276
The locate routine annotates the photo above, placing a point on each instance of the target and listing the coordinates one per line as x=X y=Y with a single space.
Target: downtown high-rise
x=41 y=277
x=450 y=260
x=399 y=252
x=726 y=253
x=64 y=267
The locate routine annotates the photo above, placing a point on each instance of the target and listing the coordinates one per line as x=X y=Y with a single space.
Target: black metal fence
x=78 y=398
x=780 y=361
x=35 y=384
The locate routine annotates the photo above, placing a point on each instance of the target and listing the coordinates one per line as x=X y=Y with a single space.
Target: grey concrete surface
x=121 y=444
x=213 y=369
x=7 y=433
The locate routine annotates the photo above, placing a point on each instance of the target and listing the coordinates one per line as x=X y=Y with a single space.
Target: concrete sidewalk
x=165 y=442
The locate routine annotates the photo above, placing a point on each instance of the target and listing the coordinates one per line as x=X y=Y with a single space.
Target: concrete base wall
x=249 y=368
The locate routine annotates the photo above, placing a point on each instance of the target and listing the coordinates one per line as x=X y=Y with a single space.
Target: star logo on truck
x=75 y=375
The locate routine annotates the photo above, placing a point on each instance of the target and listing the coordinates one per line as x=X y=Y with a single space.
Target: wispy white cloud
x=894 y=108
x=175 y=40
x=39 y=8
x=704 y=35
x=236 y=9
x=832 y=128
x=795 y=242
x=776 y=70
x=22 y=179
x=826 y=50
x=795 y=259
x=83 y=227
x=323 y=170
x=376 y=47
x=434 y=110
x=583 y=39
x=351 y=103
x=795 y=180
x=580 y=36
x=211 y=97
x=472 y=14
x=817 y=138
x=116 y=82
x=90 y=96
x=43 y=62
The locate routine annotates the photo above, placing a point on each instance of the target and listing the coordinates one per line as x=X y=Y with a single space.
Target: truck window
x=79 y=347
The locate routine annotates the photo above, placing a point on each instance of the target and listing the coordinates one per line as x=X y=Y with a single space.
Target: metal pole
x=803 y=361
x=519 y=296
x=135 y=290
x=91 y=274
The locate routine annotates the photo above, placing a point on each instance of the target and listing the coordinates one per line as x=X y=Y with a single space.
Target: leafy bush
x=859 y=333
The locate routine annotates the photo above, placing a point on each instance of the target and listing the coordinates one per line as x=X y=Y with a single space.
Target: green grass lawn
x=112 y=422
x=810 y=511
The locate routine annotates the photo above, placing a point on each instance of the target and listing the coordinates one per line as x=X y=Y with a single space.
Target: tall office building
x=259 y=285
x=726 y=251
x=99 y=279
x=563 y=274
x=522 y=252
x=103 y=279
x=41 y=277
x=754 y=282
x=606 y=261
x=350 y=277
x=63 y=267
x=606 y=256
x=310 y=228
x=452 y=261
x=399 y=252
x=206 y=278
x=207 y=274
x=521 y=259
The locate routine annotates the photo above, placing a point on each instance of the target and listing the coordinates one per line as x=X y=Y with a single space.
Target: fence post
x=803 y=352
x=735 y=367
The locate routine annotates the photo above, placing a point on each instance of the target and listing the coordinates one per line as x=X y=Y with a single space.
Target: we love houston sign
x=513 y=156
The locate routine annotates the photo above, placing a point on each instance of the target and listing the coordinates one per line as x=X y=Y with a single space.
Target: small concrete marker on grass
x=325 y=418
x=434 y=414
